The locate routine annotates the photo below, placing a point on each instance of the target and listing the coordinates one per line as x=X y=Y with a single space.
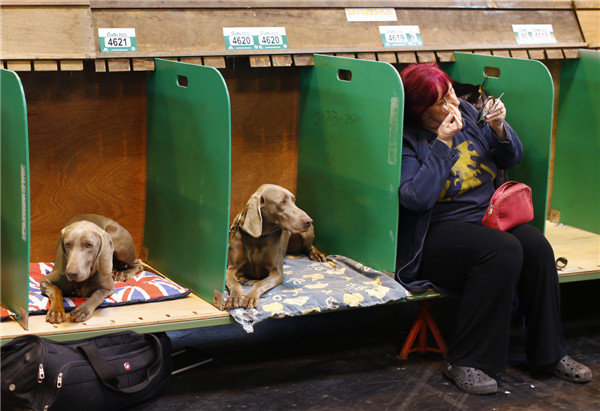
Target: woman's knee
x=506 y=258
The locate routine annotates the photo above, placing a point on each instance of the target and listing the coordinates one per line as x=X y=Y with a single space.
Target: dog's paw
x=316 y=255
x=250 y=302
x=121 y=276
x=234 y=302
x=80 y=314
x=56 y=316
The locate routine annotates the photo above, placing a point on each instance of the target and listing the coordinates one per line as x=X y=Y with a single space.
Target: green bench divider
x=529 y=100
x=576 y=184
x=188 y=175
x=349 y=147
x=14 y=184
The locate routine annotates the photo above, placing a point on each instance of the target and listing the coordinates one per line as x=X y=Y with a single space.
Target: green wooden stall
x=349 y=150
x=14 y=185
x=187 y=188
x=188 y=175
x=529 y=98
x=351 y=115
x=576 y=185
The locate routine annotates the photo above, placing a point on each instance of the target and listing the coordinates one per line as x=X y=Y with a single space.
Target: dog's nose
x=71 y=276
x=307 y=223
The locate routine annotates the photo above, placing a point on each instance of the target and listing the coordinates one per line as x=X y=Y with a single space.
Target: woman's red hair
x=423 y=83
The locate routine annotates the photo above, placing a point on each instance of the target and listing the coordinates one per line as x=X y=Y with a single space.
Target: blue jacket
x=426 y=165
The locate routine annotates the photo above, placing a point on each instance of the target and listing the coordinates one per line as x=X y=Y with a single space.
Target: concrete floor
x=346 y=361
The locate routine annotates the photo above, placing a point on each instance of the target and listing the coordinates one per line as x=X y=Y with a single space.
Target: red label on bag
x=127 y=366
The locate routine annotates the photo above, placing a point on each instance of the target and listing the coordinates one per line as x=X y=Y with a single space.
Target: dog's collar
x=236 y=223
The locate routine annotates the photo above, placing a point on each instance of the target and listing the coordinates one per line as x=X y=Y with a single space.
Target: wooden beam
x=71 y=65
x=45 y=65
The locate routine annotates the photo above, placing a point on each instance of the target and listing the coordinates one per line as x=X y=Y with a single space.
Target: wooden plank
x=98 y=165
x=264 y=130
x=45 y=65
x=346 y=55
x=260 y=61
x=216 y=62
x=589 y=20
x=303 y=59
x=445 y=56
x=193 y=31
x=286 y=4
x=554 y=54
x=114 y=318
x=142 y=64
x=282 y=60
x=519 y=54
x=501 y=53
x=48 y=32
x=388 y=57
x=192 y=60
x=587 y=4
x=18 y=65
x=71 y=65
x=536 y=54
x=406 y=57
x=580 y=248
x=119 y=65
x=366 y=56
x=571 y=53
x=44 y=3
x=483 y=52
x=100 y=65
x=425 y=56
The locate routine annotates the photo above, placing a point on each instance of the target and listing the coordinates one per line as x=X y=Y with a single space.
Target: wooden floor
x=187 y=312
x=580 y=248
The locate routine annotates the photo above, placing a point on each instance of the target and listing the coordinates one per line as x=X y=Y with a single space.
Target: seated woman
x=448 y=169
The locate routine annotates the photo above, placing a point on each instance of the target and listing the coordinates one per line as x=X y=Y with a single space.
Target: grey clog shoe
x=471 y=380
x=570 y=370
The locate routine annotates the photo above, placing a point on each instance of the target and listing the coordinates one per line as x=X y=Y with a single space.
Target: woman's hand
x=451 y=125
x=496 y=118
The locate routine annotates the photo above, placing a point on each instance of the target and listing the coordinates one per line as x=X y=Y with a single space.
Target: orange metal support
x=422 y=323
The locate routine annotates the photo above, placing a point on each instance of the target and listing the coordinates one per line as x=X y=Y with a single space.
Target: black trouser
x=486 y=267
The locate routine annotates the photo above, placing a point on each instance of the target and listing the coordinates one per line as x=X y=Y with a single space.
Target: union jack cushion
x=143 y=287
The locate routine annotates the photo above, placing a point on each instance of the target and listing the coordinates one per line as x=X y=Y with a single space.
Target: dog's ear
x=60 y=261
x=104 y=261
x=253 y=217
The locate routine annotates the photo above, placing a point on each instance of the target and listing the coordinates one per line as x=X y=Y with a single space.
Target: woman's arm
x=506 y=146
x=422 y=181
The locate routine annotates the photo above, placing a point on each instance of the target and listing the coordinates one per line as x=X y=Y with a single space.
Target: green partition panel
x=350 y=141
x=14 y=196
x=188 y=175
x=529 y=98
x=576 y=184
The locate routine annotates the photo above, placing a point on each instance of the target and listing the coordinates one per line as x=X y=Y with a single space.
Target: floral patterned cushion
x=311 y=286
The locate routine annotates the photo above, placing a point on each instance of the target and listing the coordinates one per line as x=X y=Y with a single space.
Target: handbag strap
x=106 y=373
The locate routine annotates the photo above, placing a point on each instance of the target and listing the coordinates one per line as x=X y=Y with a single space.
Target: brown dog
x=258 y=241
x=91 y=252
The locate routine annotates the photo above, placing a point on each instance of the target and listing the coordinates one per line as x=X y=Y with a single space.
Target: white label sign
x=371 y=15
x=117 y=40
x=534 y=33
x=255 y=38
x=400 y=36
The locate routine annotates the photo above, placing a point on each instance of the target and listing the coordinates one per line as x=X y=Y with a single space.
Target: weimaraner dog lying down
x=91 y=252
x=258 y=242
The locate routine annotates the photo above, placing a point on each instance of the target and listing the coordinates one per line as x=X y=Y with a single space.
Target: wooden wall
x=87 y=108
x=87 y=135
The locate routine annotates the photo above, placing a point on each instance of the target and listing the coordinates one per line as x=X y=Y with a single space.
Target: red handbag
x=510 y=206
